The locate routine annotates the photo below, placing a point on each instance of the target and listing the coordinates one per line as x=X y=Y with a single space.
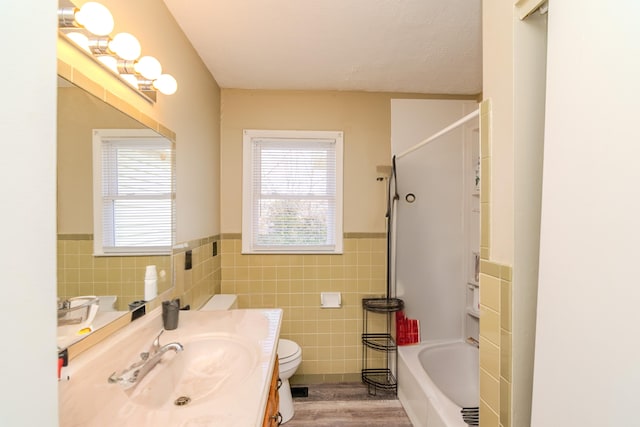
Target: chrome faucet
x=138 y=370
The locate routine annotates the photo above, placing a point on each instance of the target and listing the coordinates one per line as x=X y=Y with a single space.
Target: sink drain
x=182 y=400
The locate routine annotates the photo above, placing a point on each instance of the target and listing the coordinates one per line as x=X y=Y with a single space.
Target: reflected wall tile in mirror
x=79 y=272
x=204 y=278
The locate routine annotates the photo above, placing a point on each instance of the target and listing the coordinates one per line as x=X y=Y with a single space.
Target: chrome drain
x=182 y=400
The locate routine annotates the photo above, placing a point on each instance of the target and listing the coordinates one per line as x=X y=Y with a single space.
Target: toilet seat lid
x=288 y=349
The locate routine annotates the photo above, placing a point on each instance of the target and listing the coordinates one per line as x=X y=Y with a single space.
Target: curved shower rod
x=437 y=135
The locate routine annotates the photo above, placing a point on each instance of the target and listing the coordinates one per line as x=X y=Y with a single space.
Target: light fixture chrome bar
x=99 y=45
x=145 y=85
x=67 y=17
x=149 y=96
x=89 y=29
x=126 y=67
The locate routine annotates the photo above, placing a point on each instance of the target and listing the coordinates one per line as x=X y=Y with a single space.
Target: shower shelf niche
x=379 y=365
x=471 y=312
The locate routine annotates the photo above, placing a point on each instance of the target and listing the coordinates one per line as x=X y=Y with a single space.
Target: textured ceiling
x=422 y=46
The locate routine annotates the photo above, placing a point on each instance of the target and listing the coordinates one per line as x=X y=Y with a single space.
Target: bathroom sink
x=220 y=378
x=209 y=363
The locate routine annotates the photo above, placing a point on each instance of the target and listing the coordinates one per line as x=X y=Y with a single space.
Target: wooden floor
x=347 y=405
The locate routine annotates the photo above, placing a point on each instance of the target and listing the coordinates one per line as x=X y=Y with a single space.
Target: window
x=133 y=192
x=292 y=192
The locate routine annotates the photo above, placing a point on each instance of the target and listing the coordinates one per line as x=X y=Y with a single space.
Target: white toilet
x=289 y=358
x=221 y=302
x=289 y=355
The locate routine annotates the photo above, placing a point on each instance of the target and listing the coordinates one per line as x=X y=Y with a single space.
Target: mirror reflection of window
x=133 y=192
x=115 y=280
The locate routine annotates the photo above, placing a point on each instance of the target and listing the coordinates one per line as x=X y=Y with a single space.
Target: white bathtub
x=436 y=380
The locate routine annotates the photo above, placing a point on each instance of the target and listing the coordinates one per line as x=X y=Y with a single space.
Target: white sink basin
x=208 y=364
x=223 y=374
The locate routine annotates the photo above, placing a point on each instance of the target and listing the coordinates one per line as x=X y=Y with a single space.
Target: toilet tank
x=221 y=302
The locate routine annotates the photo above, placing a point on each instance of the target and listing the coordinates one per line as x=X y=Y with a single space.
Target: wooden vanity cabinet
x=272 y=417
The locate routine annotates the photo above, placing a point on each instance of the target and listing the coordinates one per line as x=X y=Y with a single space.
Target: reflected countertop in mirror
x=118 y=280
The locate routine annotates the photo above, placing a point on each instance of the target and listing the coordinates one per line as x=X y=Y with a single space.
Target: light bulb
x=95 y=18
x=166 y=84
x=131 y=79
x=149 y=67
x=110 y=62
x=80 y=39
x=125 y=46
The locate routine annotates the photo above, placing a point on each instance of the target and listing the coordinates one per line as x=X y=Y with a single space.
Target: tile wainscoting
x=330 y=338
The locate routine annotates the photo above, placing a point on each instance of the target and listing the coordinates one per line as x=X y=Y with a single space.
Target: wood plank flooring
x=347 y=405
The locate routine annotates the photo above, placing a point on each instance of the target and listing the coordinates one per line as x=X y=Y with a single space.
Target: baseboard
x=325 y=378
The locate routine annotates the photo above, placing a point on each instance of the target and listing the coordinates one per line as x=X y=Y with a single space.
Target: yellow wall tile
x=490 y=390
x=489 y=325
x=505 y=355
x=505 y=304
x=489 y=357
x=505 y=403
x=490 y=292
x=505 y=272
x=294 y=283
x=488 y=416
x=490 y=268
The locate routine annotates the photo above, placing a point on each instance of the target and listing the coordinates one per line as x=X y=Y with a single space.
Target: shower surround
x=436 y=250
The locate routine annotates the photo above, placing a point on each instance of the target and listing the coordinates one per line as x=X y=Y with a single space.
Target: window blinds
x=293 y=198
x=137 y=195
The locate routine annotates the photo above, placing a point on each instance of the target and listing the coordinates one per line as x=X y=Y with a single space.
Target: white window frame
x=248 y=241
x=101 y=136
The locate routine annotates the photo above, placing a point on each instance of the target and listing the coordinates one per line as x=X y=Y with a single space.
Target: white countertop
x=68 y=335
x=237 y=396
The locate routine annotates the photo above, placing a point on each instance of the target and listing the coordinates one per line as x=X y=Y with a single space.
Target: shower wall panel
x=430 y=232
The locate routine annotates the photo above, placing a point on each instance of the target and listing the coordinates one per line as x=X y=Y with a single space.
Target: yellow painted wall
x=193 y=112
x=497 y=209
x=497 y=85
x=512 y=124
x=364 y=118
x=78 y=114
x=330 y=339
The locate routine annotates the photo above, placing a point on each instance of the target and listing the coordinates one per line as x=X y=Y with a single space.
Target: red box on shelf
x=407 y=330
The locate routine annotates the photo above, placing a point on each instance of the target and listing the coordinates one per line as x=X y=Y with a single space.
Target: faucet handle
x=155 y=346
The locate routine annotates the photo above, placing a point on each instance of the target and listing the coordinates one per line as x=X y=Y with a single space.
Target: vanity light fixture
x=92 y=16
x=125 y=46
x=90 y=26
x=148 y=67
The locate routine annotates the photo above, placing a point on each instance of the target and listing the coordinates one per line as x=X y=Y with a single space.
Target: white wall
x=530 y=39
x=587 y=369
x=430 y=232
x=27 y=224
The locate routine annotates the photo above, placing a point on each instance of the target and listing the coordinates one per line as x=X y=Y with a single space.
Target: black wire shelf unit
x=379 y=355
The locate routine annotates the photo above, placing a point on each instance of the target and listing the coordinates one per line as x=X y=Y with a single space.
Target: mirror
x=118 y=281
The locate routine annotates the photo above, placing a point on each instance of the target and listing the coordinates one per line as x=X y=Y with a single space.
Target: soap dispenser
x=150 y=283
